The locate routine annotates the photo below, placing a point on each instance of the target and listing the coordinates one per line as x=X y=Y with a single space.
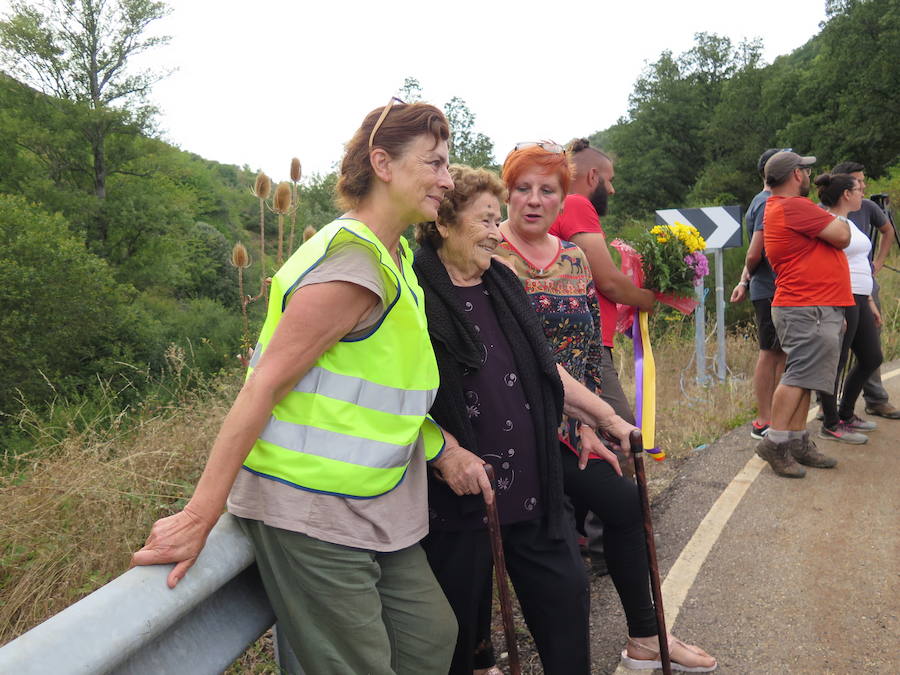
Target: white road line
x=682 y=574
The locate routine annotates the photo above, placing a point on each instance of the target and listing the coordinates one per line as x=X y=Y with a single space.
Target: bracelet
x=746 y=283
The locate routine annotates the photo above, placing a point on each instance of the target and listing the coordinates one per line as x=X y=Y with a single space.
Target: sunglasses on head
x=383 y=117
x=549 y=146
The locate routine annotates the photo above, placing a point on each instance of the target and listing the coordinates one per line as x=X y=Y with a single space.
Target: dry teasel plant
x=263 y=186
x=308 y=233
x=295 y=199
x=240 y=258
x=282 y=203
x=261 y=190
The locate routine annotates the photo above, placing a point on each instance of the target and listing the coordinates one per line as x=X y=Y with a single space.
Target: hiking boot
x=780 y=457
x=857 y=423
x=807 y=453
x=883 y=409
x=843 y=435
x=758 y=431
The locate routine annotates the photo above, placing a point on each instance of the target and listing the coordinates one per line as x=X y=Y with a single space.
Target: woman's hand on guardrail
x=179 y=538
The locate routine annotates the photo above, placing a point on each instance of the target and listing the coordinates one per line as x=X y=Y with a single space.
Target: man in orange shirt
x=804 y=245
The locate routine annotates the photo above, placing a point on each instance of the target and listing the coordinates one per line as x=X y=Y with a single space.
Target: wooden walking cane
x=509 y=630
x=637 y=451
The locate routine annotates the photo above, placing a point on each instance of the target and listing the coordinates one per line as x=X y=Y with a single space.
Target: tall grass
x=78 y=504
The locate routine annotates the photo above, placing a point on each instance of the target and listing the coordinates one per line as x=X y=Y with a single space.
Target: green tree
x=466 y=145
x=847 y=107
x=411 y=91
x=671 y=133
x=80 y=51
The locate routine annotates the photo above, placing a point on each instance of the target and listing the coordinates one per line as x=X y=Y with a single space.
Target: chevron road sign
x=719 y=225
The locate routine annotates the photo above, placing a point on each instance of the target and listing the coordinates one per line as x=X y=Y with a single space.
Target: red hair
x=535 y=157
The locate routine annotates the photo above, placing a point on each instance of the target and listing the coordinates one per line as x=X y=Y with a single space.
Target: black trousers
x=862 y=337
x=549 y=580
x=615 y=500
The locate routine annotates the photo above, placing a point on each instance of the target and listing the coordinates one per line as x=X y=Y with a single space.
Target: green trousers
x=350 y=611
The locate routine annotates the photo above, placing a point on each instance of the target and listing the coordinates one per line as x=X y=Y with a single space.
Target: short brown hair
x=535 y=157
x=402 y=124
x=468 y=183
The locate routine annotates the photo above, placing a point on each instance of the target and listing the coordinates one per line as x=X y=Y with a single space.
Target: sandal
x=493 y=670
x=679 y=655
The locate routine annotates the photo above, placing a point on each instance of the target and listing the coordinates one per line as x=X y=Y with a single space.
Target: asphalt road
x=797 y=576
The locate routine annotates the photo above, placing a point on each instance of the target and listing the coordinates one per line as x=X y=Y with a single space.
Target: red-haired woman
x=557 y=278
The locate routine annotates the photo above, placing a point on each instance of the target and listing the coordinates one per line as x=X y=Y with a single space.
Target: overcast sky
x=260 y=82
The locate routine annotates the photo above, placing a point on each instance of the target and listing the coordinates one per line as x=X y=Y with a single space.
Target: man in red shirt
x=812 y=286
x=579 y=223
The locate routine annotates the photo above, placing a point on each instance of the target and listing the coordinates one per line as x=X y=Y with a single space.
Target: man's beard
x=599 y=198
x=804 y=187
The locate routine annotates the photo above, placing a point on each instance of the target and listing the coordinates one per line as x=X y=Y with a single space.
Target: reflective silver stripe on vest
x=330 y=444
x=364 y=393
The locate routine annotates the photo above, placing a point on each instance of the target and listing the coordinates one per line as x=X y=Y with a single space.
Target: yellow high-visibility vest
x=351 y=424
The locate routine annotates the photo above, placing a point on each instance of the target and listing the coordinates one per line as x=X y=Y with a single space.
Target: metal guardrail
x=136 y=624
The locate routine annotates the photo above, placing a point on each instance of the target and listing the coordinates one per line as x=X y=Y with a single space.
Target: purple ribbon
x=638 y=369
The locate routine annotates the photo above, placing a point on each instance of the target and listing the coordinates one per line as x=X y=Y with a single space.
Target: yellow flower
x=689 y=236
x=662 y=233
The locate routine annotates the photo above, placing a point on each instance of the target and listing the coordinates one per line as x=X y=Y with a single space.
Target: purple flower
x=699 y=264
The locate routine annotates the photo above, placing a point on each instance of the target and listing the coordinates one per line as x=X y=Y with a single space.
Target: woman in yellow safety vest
x=322 y=458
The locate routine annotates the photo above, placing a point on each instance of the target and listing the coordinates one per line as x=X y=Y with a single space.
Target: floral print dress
x=563 y=295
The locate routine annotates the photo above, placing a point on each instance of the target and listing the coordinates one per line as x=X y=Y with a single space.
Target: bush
x=59 y=306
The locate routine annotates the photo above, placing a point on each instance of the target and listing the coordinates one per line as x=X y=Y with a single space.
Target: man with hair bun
x=871 y=220
x=579 y=223
x=805 y=248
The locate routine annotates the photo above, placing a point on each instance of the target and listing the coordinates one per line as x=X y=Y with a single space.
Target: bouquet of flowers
x=668 y=259
x=671 y=259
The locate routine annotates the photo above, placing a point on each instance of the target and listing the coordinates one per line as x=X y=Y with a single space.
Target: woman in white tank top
x=842 y=194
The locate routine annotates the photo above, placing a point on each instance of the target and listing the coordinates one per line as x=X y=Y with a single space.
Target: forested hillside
x=698 y=121
x=96 y=290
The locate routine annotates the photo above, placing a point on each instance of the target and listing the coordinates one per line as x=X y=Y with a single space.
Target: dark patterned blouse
x=500 y=413
x=563 y=295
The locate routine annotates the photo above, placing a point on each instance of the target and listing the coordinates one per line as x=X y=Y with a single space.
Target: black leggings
x=862 y=337
x=614 y=499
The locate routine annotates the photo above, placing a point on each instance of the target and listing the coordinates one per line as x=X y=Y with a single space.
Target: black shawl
x=457 y=347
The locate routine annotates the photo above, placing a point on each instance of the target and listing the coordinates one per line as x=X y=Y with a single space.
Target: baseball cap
x=782 y=163
x=763 y=158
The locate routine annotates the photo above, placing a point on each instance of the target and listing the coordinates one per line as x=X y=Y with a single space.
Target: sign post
x=720 y=226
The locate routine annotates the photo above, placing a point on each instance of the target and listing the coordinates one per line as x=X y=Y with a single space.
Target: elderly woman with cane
x=502 y=395
x=557 y=279
x=322 y=457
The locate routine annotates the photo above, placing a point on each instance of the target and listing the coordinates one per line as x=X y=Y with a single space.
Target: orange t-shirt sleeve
x=802 y=216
